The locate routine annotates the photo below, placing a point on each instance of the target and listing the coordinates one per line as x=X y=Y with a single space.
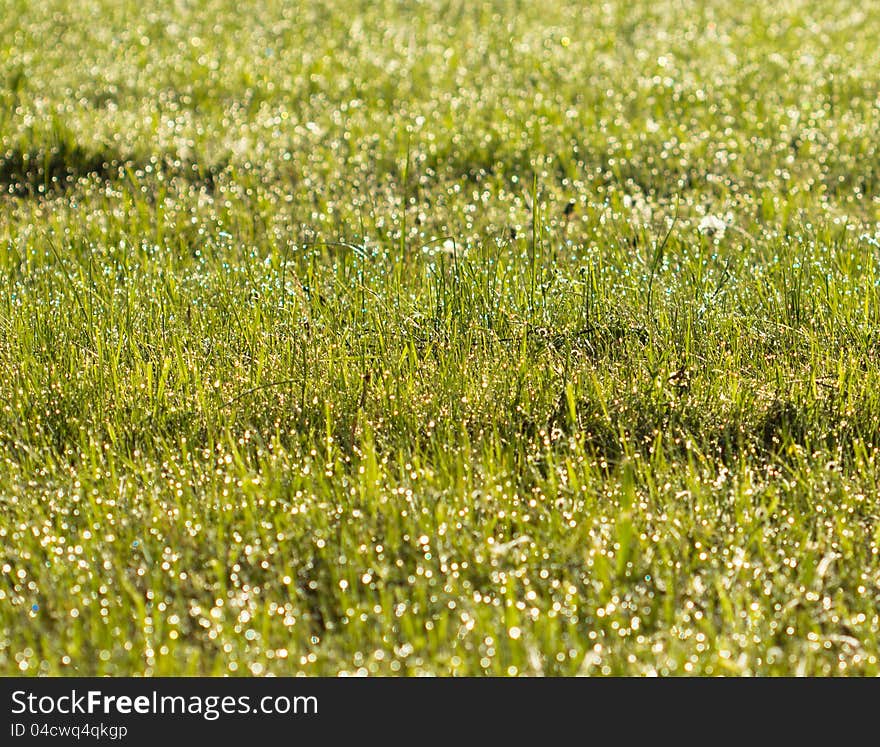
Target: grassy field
x=439 y=337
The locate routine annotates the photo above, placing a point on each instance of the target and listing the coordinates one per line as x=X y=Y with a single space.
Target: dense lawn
x=443 y=337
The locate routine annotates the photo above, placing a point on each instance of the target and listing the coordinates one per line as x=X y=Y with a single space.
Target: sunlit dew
x=417 y=355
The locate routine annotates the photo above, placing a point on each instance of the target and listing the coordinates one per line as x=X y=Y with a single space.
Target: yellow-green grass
x=444 y=337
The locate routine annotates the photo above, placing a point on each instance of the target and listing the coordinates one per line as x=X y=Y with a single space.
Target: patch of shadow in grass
x=765 y=433
x=783 y=424
x=32 y=171
x=596 y=341
x=41 y=170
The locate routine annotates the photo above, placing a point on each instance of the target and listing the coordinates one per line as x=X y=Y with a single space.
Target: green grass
x=439 y=337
